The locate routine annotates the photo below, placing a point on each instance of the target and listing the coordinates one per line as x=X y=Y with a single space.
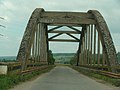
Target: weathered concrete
x=64 y=78
x=3 y=69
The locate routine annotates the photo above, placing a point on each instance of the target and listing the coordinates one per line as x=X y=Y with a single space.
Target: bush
x=51 y=60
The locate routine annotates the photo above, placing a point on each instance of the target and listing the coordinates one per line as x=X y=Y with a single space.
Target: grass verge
x=87 y=72
x=8 y=81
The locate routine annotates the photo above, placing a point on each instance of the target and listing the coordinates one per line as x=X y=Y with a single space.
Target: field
x=63 y=58
x=59 y=57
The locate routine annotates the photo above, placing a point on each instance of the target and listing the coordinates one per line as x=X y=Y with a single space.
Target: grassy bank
x=90 y=73
x=8 y=81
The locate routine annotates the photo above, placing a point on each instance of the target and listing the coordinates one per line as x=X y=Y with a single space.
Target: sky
x=16 y=14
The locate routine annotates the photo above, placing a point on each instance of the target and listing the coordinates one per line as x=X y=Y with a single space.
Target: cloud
x=17 y=13
x=64 y=47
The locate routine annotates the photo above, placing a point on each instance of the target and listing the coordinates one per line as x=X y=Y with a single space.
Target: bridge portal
x=95 y=49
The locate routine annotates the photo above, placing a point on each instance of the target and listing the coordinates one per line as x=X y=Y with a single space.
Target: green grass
x=8 y=81
x=90 y=73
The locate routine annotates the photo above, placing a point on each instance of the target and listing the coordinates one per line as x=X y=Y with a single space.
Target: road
x=63 y=78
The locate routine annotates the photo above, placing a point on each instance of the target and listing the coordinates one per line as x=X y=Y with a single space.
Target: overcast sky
x=17 y=13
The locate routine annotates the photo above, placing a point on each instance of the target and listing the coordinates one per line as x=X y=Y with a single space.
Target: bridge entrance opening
x=63 y=42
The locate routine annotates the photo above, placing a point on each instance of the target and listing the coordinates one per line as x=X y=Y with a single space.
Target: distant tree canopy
x=51 y=60
x=73 y=60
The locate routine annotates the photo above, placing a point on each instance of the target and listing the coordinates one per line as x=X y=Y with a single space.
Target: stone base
x=3 y=69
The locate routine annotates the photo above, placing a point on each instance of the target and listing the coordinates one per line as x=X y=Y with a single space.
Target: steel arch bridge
x=96 y=48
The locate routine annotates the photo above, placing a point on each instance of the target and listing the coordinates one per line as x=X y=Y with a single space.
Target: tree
x=73 y=60
x=51 y=60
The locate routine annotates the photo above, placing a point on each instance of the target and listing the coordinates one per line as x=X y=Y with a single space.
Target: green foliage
x=51 y=60
x=73 y=60
x=8 y=81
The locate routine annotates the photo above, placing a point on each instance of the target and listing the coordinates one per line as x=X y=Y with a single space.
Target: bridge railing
x=15 y=67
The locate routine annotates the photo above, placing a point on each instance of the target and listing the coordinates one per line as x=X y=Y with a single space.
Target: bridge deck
x=63 y=78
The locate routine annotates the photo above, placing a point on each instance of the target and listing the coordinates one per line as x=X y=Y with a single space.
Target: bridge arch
x=106 y=38
x=93 y=35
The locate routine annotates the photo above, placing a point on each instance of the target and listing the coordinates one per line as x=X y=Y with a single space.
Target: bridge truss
x=96 y=48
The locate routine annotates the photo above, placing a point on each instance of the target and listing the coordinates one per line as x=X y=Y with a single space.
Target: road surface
x=63 y=78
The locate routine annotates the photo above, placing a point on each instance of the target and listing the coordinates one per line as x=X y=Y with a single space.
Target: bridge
x=94 y=32
x=96 y=49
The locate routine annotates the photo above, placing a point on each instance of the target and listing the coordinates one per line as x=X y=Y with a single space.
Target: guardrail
x=100 y=71
x=101 y=67
x=34 y=69
x=15 y=67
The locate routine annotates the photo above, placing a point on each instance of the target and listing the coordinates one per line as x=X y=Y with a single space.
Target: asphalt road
x=64 y=78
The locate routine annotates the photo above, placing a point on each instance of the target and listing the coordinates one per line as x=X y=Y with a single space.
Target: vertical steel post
x=43 y=44
x=89 y=45
x=94 y=45
x=98 y=57
x=91 y=58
